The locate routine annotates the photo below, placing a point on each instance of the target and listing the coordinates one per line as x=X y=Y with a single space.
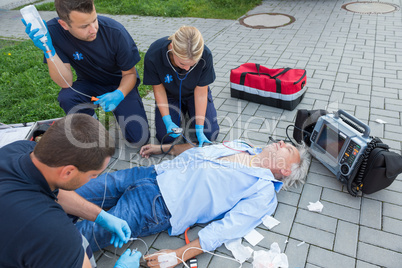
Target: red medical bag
x=281 y=88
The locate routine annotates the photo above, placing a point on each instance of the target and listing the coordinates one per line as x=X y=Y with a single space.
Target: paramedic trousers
x=130 y=113
x=211 y=127
x=132 y=195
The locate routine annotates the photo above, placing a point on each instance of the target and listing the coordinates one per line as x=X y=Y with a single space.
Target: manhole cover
x=266 y=20
x=370 y=7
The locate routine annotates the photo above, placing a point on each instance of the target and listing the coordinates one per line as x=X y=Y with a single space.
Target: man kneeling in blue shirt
x=231 y=186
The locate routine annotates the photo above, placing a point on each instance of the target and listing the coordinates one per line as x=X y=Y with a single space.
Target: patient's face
x=280 y=155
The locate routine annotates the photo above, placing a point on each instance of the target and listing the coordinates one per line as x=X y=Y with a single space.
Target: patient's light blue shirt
x=198 y=187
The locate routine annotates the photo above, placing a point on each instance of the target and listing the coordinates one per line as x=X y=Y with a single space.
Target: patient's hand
x=162 y=258
x=150 y=149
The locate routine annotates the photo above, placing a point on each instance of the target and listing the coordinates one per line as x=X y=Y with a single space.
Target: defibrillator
x=339 y=141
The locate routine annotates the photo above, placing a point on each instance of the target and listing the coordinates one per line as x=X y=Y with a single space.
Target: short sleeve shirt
x=158 y=70
x=102 y=60
x=34 y=229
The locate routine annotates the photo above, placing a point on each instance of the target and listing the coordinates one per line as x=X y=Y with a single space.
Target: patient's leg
x=141 y=205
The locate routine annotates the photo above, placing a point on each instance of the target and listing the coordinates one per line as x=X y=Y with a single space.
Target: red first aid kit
x=281 y=88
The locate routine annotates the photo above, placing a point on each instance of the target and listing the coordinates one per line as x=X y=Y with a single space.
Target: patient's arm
x=185 y=253
x=150 y=149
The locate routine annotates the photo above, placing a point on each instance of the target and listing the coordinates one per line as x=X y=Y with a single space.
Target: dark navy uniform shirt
x=34 y=229
x=157 y=70
x=102 y=60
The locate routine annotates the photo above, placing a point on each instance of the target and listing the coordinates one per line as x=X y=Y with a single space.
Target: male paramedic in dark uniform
x=36 y=192
x=103 y=55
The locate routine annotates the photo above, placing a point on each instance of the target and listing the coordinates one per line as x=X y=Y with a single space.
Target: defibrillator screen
x=330 y=141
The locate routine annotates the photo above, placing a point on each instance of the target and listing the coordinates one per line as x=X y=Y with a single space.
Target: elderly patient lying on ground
x=231 y=185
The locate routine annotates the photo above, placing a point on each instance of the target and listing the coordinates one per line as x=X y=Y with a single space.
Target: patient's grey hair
x=298 y=171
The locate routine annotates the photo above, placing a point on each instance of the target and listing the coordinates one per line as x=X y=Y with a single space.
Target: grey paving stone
x=380 y=239
x=382 y=112
x=392 y=226
x=285 y=214
x=107 y=262
x=309 y=265
x=297 y=255
x=346 y=238
x=316 y=220
x=340 y=198
x=289 y=198
x=362 y=264
x=325 y=258
x=362 y=113
x=311 y=193
x=393 y=145
x=340 y=212
x=386 y=196
x=324 y=181
x=378 y=256
x=312 y=236
x=392 y=211
x=165 y=241
x=253 y=135
x=370 y=214
x=225 y=262
x=389 y=94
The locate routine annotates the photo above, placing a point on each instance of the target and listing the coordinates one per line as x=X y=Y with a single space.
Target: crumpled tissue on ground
x=316 y=207
x=273 y=258
x=380 y=121
x=240 y=252
x=270 y=222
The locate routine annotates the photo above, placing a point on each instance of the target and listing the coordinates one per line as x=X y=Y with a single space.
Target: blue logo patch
x=78 y=56
x=168 y=78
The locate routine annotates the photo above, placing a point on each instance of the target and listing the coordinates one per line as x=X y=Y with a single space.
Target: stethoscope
x=181 y=79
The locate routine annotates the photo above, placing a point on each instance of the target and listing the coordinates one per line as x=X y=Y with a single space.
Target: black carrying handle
x=277 y=80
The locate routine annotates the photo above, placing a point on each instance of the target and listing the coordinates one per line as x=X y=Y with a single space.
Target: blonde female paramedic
x=180 y=70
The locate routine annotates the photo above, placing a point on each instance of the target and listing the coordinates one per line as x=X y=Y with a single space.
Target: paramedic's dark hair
x=77 y=139
x=64 y=8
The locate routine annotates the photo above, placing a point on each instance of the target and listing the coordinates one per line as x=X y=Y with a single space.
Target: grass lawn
x=214 y=9
x=28 y=94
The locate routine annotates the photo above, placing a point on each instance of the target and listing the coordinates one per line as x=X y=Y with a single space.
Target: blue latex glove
x=167 y=119
x=199 y=131
x=129 y=260
x=109 y=101
x=49 y=50
x=119 y=228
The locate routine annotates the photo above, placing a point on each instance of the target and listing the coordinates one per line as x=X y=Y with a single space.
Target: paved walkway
x=353 y=62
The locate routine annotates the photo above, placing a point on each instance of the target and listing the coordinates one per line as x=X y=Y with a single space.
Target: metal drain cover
x=370 y=7
x=266 y=20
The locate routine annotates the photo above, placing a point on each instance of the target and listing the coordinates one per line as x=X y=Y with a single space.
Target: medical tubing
x=48 y=50
x=146 y=246
x=205 y=251
x=103 y=200
x=214 y=254
x=65 y=81
x=104 y=194
x=162 y=253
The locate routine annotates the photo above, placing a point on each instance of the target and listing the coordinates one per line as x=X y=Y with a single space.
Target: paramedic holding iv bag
x=180 y=70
